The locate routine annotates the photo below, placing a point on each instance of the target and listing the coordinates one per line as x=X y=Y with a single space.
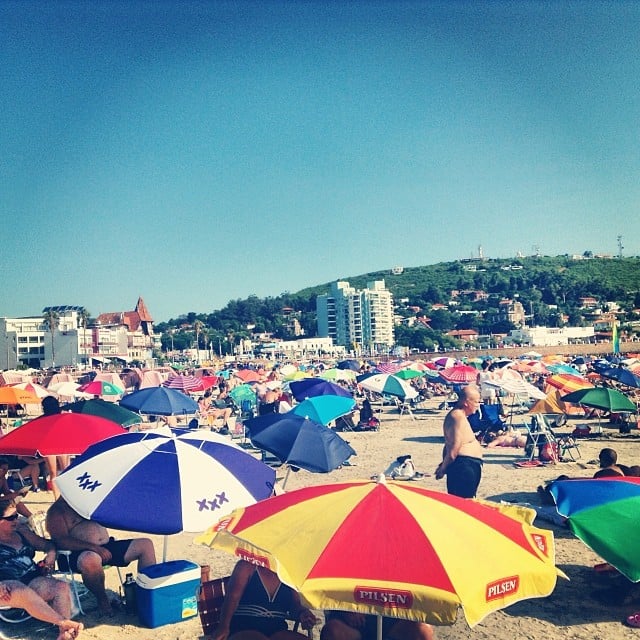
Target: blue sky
x=197 y=152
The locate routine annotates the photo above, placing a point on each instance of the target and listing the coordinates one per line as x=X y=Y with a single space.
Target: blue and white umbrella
x=164 y=481
x=159 y=401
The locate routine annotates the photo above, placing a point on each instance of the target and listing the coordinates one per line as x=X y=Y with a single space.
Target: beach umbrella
x=353 y=365
x=248 y=375
x=388 y=384
x=623 y=376
x=103 y=409
x=460 y=374
x=394 y=548
x=604 y=514
x=31 y=387
x=184 y=383
x=164 y=481
x=338 y=374
x=101 y=388
x=311 y=387
x=562 y=367
x=518 y=387
x=299 y=442
x=159 y=401
x=601 y=398
x=566 y=383
x=152 y=378
x=243 y=392
x=408 y=374
x=324 y=409
x=58 y=434
x=388 y=367
x=444 y=362
x=13 y=395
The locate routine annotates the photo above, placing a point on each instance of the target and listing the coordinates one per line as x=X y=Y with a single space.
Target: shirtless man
x=92 y=548
x=462 y=456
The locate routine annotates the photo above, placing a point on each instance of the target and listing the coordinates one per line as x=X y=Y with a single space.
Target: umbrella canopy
x=408 y=374
x=603 y=513
x=324 y=409
x=299 y=442
x=460 y=374
x=567 y=383
x=353 y=365
x=601 y=398
x=623 y=376
x=104 y=409
x=389 y=384
x=159 y=401
x=184 y=383
x=67 y=390
x=337 y=374
x=444 y=362
x=248 y=375
x=243 y=392
x=394 y=549
x=101 y=388
x=164 y=481
x=58 y=434
x=31 y=387
x=311 y=387
x=519 y=387
x=13 y=395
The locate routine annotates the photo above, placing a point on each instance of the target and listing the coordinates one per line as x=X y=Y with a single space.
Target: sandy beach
x=569 y=613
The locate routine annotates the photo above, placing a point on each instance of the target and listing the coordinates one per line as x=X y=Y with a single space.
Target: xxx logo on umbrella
x=216 y=503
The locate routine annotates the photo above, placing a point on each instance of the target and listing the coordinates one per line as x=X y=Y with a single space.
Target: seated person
x=348 y=625
x=22 y=583
x=609 y=467
x=257 y=606
x=7 y=494
x=507 y=439
x=92 y=548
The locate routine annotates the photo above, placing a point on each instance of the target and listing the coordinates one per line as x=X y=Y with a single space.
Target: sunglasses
x=10 y=518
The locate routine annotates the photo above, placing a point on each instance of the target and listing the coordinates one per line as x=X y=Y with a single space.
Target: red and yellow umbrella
x=567 y=382
x=394 y=549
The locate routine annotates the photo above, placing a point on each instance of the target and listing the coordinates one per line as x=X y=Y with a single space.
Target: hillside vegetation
x=550 y=289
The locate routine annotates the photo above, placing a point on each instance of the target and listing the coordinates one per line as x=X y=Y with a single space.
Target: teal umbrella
x=324 y=409
x=243 y=392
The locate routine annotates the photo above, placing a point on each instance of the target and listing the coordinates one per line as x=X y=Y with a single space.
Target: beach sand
x=569 y=613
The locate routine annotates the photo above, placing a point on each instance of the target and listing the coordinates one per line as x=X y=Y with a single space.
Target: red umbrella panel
x=185 y=384
x=462 y=374
x=59 y=434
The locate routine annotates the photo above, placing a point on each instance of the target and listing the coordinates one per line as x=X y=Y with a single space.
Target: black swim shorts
x=118 y=549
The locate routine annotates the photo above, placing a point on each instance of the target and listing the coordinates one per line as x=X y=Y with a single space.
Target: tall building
x=360 y=320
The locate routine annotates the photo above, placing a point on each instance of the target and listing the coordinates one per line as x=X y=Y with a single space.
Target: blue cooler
x=167 y=592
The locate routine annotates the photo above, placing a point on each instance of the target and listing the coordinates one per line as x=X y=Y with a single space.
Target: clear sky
x=198 y=152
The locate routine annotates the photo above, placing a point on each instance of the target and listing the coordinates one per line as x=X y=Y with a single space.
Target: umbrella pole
x=164 y=548
x=286 y=477
x=379 y=632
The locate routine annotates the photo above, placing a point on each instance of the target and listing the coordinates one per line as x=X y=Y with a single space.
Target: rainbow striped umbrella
x=396 y=549
x=604 y=514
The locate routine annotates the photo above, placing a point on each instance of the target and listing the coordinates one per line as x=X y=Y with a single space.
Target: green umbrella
x=243 y=392
x=601 y=398
x=408 y=374
x=103 y=409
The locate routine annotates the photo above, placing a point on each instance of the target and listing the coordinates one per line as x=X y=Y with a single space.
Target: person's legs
x=56 y=593
x=142 y=550
x=90 y=567
x=406 y=630
x=23 y=597
x=335 y=629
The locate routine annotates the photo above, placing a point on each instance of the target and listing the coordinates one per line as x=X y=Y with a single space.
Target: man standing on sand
x=462 y=456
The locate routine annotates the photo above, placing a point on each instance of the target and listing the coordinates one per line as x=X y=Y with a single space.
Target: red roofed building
x=124 y=335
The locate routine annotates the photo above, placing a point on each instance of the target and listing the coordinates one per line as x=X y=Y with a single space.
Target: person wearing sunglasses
x=23 y=583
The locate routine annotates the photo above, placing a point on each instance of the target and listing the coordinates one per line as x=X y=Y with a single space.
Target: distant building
x=123 y=336
x=551 y=336
x=360 y=320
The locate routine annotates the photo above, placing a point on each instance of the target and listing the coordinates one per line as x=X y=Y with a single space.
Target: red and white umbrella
x=184 y=383
x=461 y=373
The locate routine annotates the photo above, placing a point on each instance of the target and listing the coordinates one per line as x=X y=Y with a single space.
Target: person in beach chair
x=367 y=421
x=257 y=606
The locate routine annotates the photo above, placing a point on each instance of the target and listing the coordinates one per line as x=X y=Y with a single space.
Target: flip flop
x=634 y=621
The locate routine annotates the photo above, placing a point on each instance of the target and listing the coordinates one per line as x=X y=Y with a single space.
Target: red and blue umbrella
x=605 y=514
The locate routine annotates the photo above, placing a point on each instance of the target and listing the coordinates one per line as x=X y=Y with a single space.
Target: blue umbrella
x=159 y=401
x=622 y=375
x=299 y=442
x=324 y=409
x=311 y=387
x=164 y=481
x=354 y=365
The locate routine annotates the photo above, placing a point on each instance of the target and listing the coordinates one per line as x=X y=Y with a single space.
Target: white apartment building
x=359 y=320
x=21 y=342
x=551 y=336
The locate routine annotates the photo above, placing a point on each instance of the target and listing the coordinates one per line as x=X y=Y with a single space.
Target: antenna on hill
x=536 y=250
x=620 y=246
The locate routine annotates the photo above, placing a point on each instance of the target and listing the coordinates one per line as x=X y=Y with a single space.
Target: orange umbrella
x=12 y=395
x=567 y=382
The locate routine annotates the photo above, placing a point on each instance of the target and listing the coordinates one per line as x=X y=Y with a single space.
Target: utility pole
x=620 y=247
